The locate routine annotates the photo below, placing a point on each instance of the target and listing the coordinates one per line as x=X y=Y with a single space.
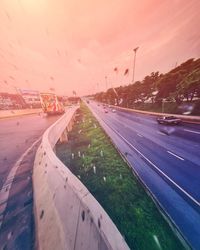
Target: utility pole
x=106 y=81
x=97 y=87
x=163 y=105
x=135 y=50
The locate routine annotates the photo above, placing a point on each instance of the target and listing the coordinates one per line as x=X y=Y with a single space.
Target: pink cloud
x=79 y=42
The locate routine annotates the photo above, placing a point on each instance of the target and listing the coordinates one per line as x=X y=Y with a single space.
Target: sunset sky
x=73 y=44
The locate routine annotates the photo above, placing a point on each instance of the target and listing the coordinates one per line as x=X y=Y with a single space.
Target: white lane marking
x=139 y=135
x=4 y=192
x=160 y=133
x=180 y=158
x=192 y=131
x=157 y=241
x=154 y=166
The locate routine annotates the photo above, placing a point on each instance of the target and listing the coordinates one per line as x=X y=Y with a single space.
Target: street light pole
x=106 y=81
x=135 y=50
x=163 y=103
x=97 y=87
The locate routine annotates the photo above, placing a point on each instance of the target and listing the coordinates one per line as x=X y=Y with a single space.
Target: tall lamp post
x=106 y=82
x=135 y=50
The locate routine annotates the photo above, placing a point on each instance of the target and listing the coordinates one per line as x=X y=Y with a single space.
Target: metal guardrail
x=67 y=216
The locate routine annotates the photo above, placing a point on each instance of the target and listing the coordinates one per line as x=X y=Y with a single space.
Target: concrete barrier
x=67 y=216
x=18 y=112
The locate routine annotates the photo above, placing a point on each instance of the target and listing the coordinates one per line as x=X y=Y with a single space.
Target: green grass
x=114 y=185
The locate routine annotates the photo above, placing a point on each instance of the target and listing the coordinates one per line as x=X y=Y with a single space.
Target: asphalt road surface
x=19 y=139
x=167 y=161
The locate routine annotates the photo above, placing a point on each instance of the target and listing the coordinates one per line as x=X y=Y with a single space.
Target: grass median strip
x=90 y=155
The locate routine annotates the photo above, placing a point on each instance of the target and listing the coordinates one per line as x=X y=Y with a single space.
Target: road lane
x=16 y=135
x=148 y=137
x=176 y=141
x=19 y=139
x=183 y=130
x=185 y=175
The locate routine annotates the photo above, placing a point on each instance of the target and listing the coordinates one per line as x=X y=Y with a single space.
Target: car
x=114 y=110
x=169 y=120
x=106 y=111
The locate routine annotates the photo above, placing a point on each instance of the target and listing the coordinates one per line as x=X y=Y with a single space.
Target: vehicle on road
x=50 y=104
x=169 y=120
x=114 y=110
x=106 y=111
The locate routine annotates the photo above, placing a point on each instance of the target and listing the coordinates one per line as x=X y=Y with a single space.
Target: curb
x=4 y=114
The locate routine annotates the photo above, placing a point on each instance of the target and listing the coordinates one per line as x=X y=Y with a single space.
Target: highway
x=165 y=158
x=19 y=139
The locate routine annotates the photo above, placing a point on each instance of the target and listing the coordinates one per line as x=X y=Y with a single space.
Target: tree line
x=181 y=84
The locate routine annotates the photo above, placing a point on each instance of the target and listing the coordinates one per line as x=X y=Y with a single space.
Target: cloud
x=80 y=42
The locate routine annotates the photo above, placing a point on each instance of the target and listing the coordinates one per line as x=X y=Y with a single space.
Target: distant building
x=5 y=101
x=63 y=100
x=31 y=98
x=11 y=101
x=74 y=100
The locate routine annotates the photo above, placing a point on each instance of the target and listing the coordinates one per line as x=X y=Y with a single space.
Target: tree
x=182 y=82
x=189 y=87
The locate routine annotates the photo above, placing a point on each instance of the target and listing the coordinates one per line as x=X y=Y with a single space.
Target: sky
x=74 y=45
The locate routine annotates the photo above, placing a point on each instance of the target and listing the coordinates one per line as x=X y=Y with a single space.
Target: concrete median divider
x=67 y=216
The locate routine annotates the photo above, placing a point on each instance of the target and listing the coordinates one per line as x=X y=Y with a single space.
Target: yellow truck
x=50 y=104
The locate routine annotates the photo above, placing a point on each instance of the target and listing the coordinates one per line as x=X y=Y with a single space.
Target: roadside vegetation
x=179 y=90
x=90 y=155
